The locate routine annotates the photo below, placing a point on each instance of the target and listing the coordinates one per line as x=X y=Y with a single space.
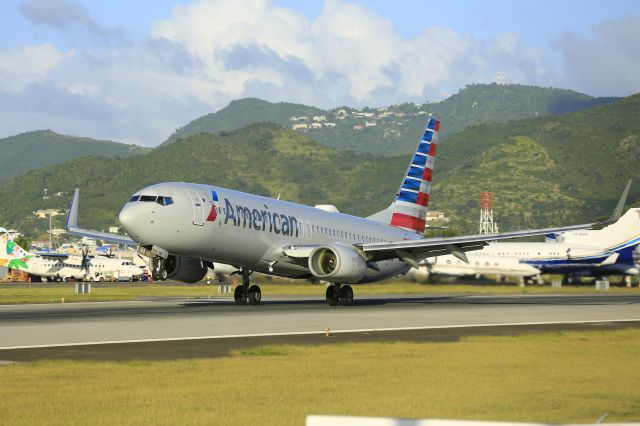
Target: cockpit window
x=162 y=200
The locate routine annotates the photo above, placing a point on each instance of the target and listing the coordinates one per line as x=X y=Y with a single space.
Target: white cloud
x=27 y=64
x=605 y=64
x=209 y=52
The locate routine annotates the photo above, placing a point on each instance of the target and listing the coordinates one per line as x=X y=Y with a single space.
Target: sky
x=134 y=71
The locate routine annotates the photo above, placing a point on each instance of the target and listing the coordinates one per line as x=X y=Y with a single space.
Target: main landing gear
x=247 y=292
x=338 y=293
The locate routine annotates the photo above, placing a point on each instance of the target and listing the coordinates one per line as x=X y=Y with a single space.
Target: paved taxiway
x=159 y=329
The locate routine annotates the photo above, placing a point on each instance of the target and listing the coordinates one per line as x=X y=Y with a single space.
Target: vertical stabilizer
x=409 y=209
x=11 y=254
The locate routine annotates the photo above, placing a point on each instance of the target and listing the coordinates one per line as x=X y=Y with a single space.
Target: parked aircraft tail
x=621 y=237
x=409 y=209
x=11 y=254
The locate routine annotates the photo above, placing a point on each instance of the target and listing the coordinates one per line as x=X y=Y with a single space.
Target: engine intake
x=337 y=263
x=185 y=269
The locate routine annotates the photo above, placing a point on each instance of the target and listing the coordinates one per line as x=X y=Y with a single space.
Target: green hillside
x=545 y=170
x=262 y=158
x=392 y=130
x=241 y=113
x=41 y=148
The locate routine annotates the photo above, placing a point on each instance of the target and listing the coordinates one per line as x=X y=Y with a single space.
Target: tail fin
x=11 y=254
x=409 y=209
x=622 y=237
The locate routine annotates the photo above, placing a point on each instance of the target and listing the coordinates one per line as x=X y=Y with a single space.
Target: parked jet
x=63 y=267
x=186 y=226
x=480 y=263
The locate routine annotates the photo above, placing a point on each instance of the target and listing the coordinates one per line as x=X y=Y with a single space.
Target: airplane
x=184 y=227
x=607 y=251
x=479 y=264
x=64 y=267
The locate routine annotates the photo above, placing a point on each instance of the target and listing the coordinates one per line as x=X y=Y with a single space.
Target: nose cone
x=128 y=220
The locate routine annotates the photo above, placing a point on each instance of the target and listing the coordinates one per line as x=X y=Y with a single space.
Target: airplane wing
x=74 y=229
x=54 y=256
x=414 y=251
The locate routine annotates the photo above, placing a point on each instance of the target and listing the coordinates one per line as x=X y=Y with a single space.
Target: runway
x=167 y=329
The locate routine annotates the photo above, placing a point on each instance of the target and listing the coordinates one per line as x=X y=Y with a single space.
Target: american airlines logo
x=213 y=213
x=260 y=220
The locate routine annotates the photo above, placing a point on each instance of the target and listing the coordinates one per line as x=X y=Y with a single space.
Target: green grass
x=51 y=294
x=566 y=377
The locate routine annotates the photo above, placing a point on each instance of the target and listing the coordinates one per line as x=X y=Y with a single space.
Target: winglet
x=72 y=217
x=617 y=213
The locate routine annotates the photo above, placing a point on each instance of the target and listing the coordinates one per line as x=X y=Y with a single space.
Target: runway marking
x=321 y=332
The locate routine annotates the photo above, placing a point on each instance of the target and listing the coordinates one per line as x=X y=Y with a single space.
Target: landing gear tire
x=255 y=295
x=332 y=295
x=245 y=291
x=158 y=270
x=346 y=295
x=239 y=295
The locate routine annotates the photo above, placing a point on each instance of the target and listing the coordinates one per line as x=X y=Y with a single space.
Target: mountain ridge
x=390 y=130
x=38 y=148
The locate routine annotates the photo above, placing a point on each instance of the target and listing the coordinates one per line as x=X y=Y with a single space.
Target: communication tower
x=487 y=225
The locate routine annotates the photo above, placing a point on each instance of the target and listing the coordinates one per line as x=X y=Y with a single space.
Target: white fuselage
x=248 y=230
x=479 y=264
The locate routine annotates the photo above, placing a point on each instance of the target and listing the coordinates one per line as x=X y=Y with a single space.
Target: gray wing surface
x=430 y=247
x=416 y=250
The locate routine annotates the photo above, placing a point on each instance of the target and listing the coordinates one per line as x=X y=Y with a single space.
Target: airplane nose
x=127 y=219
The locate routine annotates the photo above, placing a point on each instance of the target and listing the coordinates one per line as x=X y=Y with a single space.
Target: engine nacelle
x=337 y=263
x=185 y=269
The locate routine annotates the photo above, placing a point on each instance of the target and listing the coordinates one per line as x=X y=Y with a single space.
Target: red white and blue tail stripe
x=409 y=210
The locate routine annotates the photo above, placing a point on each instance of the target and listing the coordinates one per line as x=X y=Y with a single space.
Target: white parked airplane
x=62 y=267
x=479 y=263
x=185 y=227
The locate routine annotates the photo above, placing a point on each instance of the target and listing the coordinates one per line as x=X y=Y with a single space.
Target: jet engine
x=337 y=263
x=185 y=269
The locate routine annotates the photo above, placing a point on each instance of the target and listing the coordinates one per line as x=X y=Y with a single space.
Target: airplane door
x=198 y=206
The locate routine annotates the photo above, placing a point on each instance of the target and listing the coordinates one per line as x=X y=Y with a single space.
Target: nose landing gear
x=158 y=269
x=247 y=292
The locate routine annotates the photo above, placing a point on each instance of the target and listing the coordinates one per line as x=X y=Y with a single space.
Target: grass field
x=54 y=293
x=563 y=377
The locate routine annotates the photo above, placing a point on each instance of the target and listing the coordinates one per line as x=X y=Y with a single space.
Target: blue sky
x=135 y=70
